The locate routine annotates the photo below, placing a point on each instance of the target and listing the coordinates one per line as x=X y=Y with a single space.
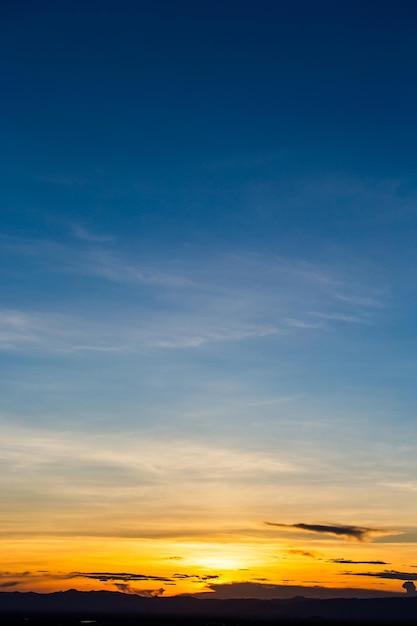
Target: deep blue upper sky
x=160 y=115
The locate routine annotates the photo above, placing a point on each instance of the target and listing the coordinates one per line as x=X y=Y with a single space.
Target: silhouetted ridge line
x=99 y=602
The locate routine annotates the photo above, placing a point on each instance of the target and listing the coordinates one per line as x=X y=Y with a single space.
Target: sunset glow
x=208 y=298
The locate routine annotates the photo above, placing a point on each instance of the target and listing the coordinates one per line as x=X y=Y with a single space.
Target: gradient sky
x=208 y=295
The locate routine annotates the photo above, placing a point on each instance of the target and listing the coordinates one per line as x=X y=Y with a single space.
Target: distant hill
x=99 y=602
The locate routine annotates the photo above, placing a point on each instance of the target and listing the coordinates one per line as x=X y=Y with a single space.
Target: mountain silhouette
x=101 y=602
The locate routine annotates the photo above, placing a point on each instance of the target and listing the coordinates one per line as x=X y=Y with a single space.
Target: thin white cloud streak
x=405 y=485
x=30 y=448
x=89 y=258
x=105 y=265
x=340 y=317
x=364 y=301
x=295 y=323
x=84 y=234
x=230 y=298
x=218 y=273
x=22 y=331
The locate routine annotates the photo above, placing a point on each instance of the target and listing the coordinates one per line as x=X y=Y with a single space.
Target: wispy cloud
x=145 y=593
x=35 y=330
x=131 y=469
x=370 y=302
x=304 y=553
x=24 y=447
x=7 y=574
x=84 y=234
x=340 y=317
x=118 y=576
x=174 y=303
x=299 y=323
x=403 y=485
x=390 y=574
x=350 y=562
x=61 y=179
x=123 y=581
x=109 y=266
x=346 y=531
x=50 y=332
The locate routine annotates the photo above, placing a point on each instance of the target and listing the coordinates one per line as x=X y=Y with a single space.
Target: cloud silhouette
x=349 y=562
x=195 y=577
x=146 y=593
x=125 y=588
x=391 y=574
x=117 y=576
x=122 y=579
x=11 y=583
x=4 y=574
x=310 y=555
x=151 y=593
x=355 y=532
x=265 y=591
x=410 y=588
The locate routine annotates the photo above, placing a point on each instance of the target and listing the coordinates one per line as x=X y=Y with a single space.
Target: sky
x=208 y=296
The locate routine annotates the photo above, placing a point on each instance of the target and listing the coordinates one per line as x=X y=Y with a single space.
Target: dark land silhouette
x=113 y=608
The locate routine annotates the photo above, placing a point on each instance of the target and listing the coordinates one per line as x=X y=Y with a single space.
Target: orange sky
x=255 y=554
x=208 y=296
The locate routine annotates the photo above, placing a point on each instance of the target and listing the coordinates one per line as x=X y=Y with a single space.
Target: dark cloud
x=391 y=574
x=117 y=576
x=355 y=532
x=121 y=580
x=4 y=574
x=309 y=555
x=349 y=562
x=145 y=593
x=124 y=578
x=410 y=588
x=194 y=577
x=125 y=588
x=150 y=593
x=264 y=591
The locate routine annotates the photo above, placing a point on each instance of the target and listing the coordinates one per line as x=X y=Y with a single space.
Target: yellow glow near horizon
x=60 y=563
x=219 y=562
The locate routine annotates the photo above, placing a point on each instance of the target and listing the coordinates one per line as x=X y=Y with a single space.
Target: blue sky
x=208 y=253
